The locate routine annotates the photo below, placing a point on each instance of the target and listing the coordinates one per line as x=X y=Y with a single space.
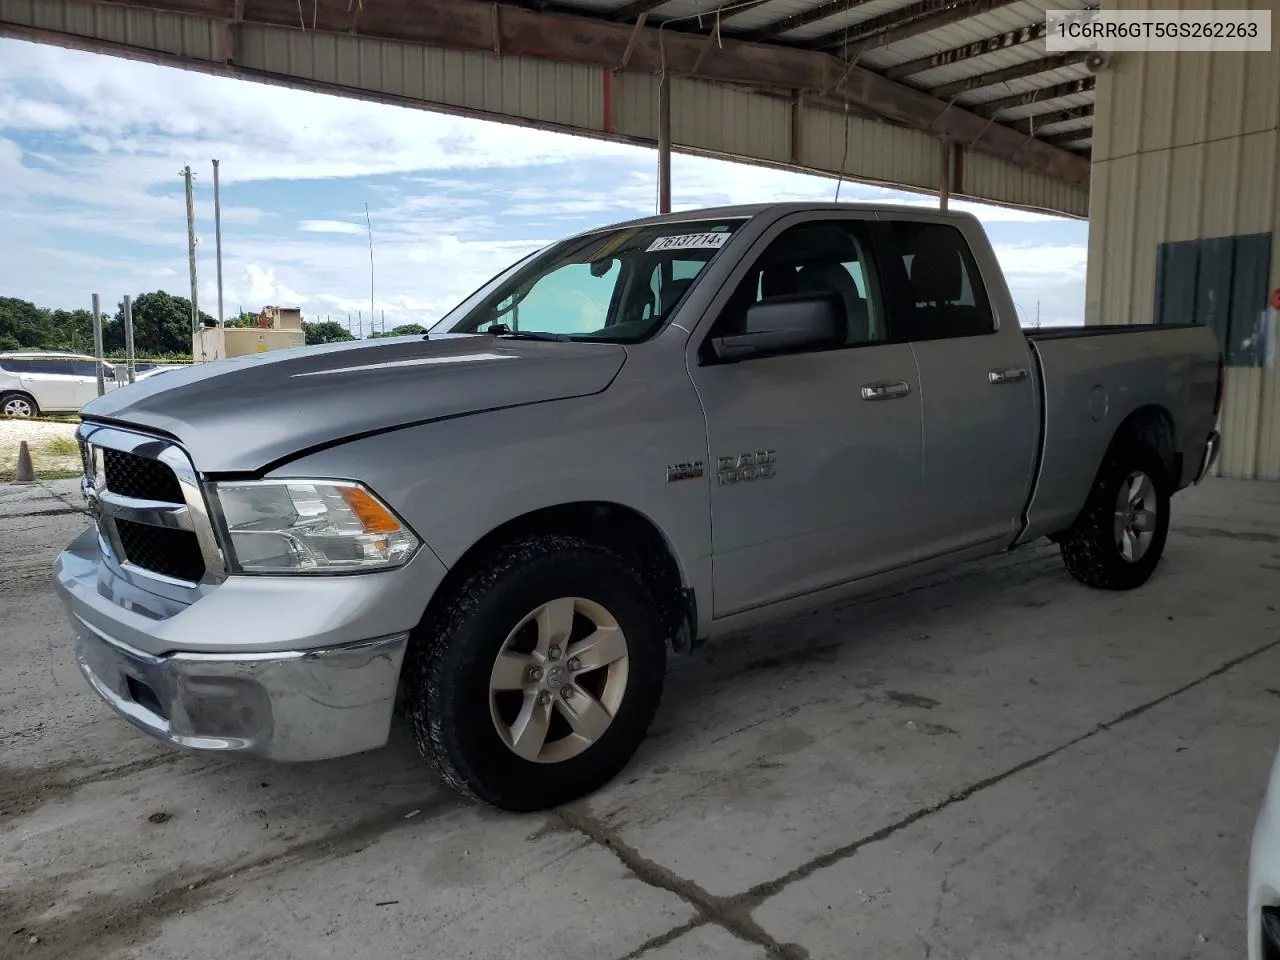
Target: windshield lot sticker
x=690 y=241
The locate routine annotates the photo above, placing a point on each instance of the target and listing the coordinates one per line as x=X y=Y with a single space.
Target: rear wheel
x=17 y=405
x=1119 y=537
x=538 y=682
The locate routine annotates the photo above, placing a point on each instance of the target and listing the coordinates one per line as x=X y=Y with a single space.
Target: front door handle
x=1008 y=375
x=889 y=390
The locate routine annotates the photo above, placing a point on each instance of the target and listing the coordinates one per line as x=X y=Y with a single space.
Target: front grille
x=133 y=476
x=171 y=553
x=86 y=459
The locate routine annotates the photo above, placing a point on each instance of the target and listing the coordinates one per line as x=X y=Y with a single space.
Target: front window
x=616 y=285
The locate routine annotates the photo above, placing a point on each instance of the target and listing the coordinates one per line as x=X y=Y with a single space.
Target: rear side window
x=942 y=295
x=12 y=365
x=48 y=366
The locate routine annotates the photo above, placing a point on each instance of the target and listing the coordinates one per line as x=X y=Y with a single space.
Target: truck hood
x=243 y=414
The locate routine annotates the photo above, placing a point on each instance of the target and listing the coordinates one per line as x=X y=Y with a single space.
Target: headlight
x=311 y=526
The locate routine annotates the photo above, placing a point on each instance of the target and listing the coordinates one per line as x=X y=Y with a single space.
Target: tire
x=458 y=720
x=12 y=403
x=1094 y=549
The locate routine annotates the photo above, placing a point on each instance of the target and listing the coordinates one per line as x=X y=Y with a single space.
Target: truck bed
x=1092 y=379
x=1101 y=329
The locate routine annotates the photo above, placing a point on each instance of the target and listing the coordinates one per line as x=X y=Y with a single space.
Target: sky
x=91 y=195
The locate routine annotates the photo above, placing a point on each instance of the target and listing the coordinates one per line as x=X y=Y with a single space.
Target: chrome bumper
x=289 y=706
x=1210 y=455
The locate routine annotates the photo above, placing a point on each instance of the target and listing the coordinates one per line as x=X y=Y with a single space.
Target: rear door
x=86 y=381
x=977 y=382
x=816 y=454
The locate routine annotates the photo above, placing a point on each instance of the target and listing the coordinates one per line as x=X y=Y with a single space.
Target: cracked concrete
x=992 y=763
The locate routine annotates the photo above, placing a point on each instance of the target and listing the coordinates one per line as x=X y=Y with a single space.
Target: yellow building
x=278 y=328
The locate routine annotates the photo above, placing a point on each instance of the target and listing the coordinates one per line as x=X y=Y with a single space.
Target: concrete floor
x=997 y=763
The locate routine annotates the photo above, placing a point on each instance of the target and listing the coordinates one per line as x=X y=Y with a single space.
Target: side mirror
x=784 y=324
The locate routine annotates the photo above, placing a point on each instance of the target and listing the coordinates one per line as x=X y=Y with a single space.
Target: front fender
x=456 y=481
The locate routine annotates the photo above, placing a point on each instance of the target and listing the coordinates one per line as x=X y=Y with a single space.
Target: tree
x=244 y=319
x=325 y=331
x=161 y=325
x=23 y=322
x=404 y=330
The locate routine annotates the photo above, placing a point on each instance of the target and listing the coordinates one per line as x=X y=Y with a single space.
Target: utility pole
x=97 y=344
x=360 y=324
x=217 y=234
x=664 y=143
x=369 y=224
x=944 y=180
x=191 y=255
x=130 y=366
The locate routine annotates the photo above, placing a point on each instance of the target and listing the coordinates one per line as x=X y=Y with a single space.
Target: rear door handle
x=1008 y=375
x=889 y=390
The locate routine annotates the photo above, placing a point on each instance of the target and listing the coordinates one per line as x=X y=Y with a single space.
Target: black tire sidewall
x=458 y=697
x=1123 y=574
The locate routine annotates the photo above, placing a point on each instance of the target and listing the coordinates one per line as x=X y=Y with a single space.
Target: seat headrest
x=777 y=281
x=671 y=293
x=936 y=270
x=826 y=276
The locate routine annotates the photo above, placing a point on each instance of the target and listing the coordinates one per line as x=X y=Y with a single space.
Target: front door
x=978 y=384
x=50 y=381
x=815 y=456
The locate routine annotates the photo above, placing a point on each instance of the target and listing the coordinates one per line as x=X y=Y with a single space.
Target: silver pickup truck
x=631 y=441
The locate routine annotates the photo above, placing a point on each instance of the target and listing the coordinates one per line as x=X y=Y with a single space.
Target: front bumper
x=298 y=705
x=287 y=668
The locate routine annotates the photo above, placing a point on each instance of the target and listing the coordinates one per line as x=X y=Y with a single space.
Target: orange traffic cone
x=26 y=471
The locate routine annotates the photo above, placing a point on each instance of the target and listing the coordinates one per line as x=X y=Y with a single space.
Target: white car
x=1264 y=875
x=44 y=381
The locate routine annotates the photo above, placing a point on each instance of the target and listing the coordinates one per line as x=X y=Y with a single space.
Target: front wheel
x=536 y=684
x=1119 y=537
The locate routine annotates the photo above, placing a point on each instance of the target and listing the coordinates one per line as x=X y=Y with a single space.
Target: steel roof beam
x=1070 y=136
x=979 y=48
x=1019 y=71
x=824 y=11
x=1037 y=95
x=908 y=22
x=1029 y=125
x=515 y=32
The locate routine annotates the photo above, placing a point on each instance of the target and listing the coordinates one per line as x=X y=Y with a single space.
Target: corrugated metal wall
x=706 y=117
x=1187 y=146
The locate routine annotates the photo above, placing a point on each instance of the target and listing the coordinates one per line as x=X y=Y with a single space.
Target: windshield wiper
x=502 y=330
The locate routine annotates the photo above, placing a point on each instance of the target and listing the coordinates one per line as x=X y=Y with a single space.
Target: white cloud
x=1042 y=261
x=331 y=226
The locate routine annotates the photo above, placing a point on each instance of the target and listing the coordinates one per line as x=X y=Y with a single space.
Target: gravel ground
x=50 y=453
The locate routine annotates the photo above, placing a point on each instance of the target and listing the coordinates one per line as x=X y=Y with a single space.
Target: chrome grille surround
x=190 y=515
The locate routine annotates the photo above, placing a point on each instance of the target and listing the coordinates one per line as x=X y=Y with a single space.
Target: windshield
x=616 y=285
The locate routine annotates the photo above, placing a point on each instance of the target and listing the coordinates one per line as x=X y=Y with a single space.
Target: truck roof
x=750 y=210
